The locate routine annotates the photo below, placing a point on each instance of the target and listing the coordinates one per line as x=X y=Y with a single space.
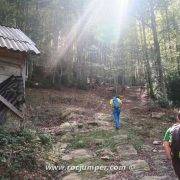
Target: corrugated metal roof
x=16 y=40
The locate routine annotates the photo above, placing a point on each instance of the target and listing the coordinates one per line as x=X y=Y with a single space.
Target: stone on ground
x=107 y=151
x=59 y=148
x=136 y=165
x=68 y=127
x=101 y=125
x=66 y=137
x=99 y=141
x=157 y=142
x=77 y=154
x=147 y=147
x=126 y=150
x=103 y=117
x=106 y=158
x=72 y=176
x=156 y=178
x=157 y=115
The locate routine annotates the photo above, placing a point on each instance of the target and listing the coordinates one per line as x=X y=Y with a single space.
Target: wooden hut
x=15 y=48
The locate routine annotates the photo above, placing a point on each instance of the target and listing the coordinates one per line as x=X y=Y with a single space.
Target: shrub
x=173 y=88
x=20 y=150
x=27 y=135
x=45 y=139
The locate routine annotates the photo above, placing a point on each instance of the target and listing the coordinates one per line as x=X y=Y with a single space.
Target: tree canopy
x=127 y=42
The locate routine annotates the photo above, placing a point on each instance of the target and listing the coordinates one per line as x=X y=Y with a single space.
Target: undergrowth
x=20 y=151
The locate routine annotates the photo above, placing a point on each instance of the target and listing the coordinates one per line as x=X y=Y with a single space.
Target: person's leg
x=176 y=166
x=119 y=118
x=117 y=113
x=115 y=116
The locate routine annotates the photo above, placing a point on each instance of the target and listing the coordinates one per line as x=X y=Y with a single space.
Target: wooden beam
x=11 y=107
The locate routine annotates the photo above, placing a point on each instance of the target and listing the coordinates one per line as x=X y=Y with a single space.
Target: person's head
x=178 y=117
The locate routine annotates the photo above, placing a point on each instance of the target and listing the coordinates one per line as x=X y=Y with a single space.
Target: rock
x=111 y=177
x=161 y=151
x=68 y=127
x=105 y=158
x=138 y=128
x=136 y=165
x=103 y=123
x=66 y=137
x=72 y=176
x=146 y=147
x=99 y=141
x=92 y=123
x=155 y=150
x=77 y=154
x=126 y=150
x=65 y=113
x=156 y=178
x=107 y=151
x=59 y=148
x=138 y=174
x=63 y=145
x=157 y=115
x=157 y=142
x=99 y=124
x=103 y=117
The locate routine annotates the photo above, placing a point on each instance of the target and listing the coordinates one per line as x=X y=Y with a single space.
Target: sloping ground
x=86 y=145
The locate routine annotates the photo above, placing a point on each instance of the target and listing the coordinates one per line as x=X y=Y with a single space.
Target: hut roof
x=16 y=40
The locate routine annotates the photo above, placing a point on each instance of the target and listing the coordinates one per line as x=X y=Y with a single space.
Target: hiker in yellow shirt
x=116 y=105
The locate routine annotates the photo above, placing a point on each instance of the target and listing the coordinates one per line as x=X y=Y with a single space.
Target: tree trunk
x=161 y=81
x=147 y=64
x=177 y=28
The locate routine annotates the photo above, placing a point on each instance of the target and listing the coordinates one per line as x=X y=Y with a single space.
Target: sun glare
x=105 y=17
x=111 y=19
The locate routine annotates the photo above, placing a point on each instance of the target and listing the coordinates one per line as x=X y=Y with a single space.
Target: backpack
x=175 y=145
x=116 y=103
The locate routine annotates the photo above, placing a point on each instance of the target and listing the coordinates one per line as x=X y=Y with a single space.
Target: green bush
x=20 y=150
x=28 y=135
x=45 y=139
x=163 y=102
x=173 y=88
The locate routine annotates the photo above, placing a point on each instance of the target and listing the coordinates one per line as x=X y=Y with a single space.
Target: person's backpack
x=175 y=145
x=116 y=103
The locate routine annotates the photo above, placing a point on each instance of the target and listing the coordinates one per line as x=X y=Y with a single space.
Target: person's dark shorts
x=176 y=165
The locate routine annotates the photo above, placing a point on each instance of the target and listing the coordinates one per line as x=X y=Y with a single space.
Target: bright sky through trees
x=111 y=18
x=105 y=17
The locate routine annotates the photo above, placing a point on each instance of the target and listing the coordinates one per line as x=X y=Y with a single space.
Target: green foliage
x=163 y=102
x=174 y=88
x=19 y=150
x=45 y=139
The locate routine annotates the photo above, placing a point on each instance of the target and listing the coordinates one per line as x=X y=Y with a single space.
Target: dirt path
x=87 y=146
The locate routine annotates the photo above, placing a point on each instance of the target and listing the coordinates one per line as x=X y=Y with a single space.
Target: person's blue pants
x=117 y=118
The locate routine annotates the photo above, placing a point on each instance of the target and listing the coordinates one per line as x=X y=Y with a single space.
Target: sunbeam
x=105 y=17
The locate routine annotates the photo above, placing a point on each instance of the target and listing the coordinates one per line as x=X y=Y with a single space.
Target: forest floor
x=84 y=136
